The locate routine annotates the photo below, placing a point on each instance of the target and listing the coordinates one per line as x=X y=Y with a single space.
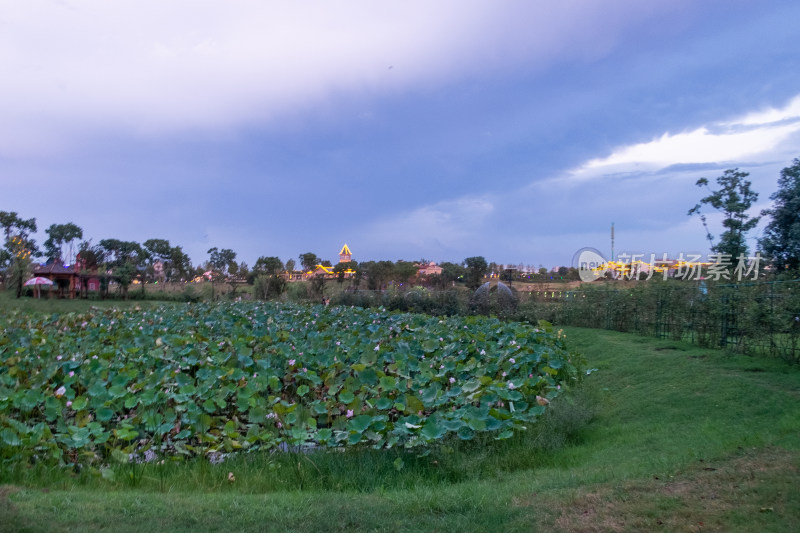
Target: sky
x=516 y=130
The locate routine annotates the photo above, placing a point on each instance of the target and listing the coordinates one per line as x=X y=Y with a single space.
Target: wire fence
x=757 y=318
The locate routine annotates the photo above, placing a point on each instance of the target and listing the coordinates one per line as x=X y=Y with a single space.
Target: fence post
x=659 y=312
x=772 y=343
x=723 y=340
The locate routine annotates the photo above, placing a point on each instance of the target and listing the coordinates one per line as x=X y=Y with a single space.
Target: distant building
x=429 y=269
x=158 y=271
x=345 y=255
x=69 y=280
x=321 y=270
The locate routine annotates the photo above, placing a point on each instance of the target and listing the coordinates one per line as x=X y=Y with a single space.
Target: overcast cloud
x=515 y=130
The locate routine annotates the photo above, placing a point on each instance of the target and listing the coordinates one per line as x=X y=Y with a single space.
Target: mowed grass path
x=684 y=439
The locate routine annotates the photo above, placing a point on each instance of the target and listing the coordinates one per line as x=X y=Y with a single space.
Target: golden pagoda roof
x=345 y=250
x=325 y=269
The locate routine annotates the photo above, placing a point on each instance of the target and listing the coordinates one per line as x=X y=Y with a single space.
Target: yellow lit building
x=345 y=256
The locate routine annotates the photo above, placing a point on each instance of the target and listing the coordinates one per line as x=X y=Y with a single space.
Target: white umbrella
x=36 y=282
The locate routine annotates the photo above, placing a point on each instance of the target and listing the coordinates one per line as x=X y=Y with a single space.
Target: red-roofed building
x=429 y=269
x=69 y=280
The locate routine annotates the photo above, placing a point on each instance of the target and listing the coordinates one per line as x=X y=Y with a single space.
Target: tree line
x=157 y=259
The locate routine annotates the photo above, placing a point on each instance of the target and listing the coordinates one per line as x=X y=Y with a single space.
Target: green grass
x=8 y=302
x=683 y=438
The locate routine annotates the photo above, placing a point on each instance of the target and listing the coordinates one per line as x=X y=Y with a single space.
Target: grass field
x=53 y=305
x=683 y=439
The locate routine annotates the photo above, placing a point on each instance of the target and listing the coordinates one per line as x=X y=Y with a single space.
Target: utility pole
x=612 y=241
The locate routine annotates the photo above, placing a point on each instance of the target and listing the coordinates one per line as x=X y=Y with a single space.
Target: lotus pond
x=211 y=379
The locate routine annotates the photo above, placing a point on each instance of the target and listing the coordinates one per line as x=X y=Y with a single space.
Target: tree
x=19 y=230
x=59 y=241
x=243 y=271
x=403 y=271
x=269 y=266
x=733 y=199
x=309 y=261
x=268 y=287
x=20 y=268
x=781 y=241
x=378 y=273
x=340 y=270
x=13 y=225
x=90 y=257
x=123 y=258
x=267 y=280
x=476 y=270
x=221 y=262
x=451 y=272
x=179 y=265
x=290 y=264
x=87 y=262
x=157 y=251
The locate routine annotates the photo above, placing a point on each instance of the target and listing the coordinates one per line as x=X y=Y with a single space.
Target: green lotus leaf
x=120 y=380
x=10 y=437
x=429 y=394
x=369 y=357
x=52 y=408
x=97 y=388
x=388 y=383
x=346 y=397
x=453 y=424
x=507 y=434
x=477 y=424
x=359 y=423
x=429 y=346
x=130 y=402
x=117 y=392
x=368 y=377
x=275 y=383
x=465 y=433
x=432 y=430
x=413 y=404
x=493 y=423
x=471 y=386
x=383 y=403
x=313 y=377
x=324 y=435
x=125 y=434
x=104 y=414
